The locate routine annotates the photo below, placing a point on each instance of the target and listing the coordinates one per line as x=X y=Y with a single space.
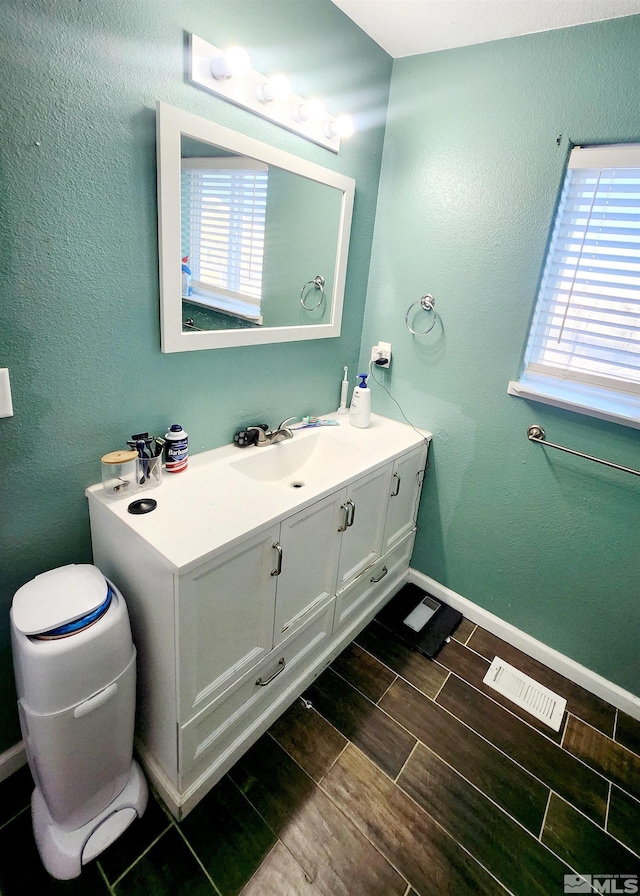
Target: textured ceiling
x=407 y=27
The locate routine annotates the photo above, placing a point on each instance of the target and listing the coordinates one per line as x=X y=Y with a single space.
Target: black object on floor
x=419 y=619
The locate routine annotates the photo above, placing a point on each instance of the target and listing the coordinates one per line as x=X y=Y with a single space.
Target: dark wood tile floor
x=405 y=777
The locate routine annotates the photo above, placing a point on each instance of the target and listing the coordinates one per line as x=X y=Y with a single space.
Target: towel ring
x=318 y=282
x=427 y=303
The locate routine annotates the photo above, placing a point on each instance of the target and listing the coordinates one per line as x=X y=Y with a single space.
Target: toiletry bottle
x=177 y=449
x=187 y=283
x=360 y=410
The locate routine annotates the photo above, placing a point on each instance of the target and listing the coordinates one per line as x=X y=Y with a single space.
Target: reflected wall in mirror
x=253 y=240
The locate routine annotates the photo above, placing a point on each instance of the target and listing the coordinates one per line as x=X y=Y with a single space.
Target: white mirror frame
x=172 y=124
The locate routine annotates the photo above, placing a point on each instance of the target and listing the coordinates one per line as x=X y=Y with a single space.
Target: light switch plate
x=6 y=405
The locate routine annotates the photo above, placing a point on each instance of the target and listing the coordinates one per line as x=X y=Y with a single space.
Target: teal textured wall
x=78 y=249
x=470 y=178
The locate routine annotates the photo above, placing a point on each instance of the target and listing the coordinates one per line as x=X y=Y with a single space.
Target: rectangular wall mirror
x=253 y=241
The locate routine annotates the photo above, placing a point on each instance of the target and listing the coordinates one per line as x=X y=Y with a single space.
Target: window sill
x=225 y=305
x=601 y=403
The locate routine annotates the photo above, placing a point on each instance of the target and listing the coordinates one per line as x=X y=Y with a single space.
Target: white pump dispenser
x=360 y=411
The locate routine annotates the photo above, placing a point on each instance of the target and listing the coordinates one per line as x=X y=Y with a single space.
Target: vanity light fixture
x=228 y=74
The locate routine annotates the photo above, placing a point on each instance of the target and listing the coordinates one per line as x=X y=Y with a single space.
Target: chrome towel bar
x=536 y=433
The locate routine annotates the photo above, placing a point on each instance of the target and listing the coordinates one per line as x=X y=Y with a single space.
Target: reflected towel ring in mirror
x=318 y=283
x=427 y=303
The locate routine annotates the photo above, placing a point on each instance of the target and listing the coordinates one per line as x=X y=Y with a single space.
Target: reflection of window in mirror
x=224 y=201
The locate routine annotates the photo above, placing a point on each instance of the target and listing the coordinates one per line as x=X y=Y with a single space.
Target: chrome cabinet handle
x=276 y=572
x=393 y=494
x=353 y=513
x=281 y=664
x=381 y=576
x=349 y=515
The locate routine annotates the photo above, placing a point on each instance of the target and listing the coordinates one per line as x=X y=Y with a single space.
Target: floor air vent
x=526 y=693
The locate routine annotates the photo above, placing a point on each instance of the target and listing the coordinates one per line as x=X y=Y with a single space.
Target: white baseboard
x=12 y=759
x=591 y=681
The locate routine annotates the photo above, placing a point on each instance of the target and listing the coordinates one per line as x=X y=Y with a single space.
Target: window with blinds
x=224 y=201
x=585 y=332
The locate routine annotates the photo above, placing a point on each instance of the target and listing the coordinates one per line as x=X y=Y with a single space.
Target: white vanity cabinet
x=261 y=591
x=228 y=637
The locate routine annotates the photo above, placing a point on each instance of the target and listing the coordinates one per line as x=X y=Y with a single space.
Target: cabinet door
x=310 y=543
x=363 y=597
x=362 y=539
x=404 y=494
x=225 y=614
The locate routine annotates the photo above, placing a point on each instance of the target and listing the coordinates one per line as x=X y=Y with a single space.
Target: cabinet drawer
x=373 y=584
x=206 y=739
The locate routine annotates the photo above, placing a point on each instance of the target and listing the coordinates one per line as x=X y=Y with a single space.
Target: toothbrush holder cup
x=149 y=472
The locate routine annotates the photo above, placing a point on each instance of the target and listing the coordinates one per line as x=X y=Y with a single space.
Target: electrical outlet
x=381 y=354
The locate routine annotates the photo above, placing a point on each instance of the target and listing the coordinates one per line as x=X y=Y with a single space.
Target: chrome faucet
x=271 y=438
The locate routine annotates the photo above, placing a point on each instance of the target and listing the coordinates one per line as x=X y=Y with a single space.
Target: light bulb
x=345 y=126
x=238 y=61
x=233 y=64
x=276 y=88
x=309 y=111
x=342 y=126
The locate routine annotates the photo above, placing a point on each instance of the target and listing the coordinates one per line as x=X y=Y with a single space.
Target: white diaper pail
x=75 y=669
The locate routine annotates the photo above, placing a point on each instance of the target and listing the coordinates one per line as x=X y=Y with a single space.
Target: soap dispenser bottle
x=360 y=410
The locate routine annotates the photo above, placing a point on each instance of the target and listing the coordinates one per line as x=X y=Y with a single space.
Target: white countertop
x=211 y=505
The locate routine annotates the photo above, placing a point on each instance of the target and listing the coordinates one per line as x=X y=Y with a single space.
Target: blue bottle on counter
x=187 y=281
x=177 y=449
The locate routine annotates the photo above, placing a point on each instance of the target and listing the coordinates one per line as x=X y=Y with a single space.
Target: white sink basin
x=309 y=456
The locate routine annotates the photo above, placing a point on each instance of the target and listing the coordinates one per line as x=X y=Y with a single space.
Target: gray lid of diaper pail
x=57 y=597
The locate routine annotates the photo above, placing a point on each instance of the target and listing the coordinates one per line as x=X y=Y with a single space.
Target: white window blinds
x=224 y=203
x=586 y=326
